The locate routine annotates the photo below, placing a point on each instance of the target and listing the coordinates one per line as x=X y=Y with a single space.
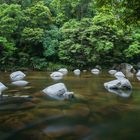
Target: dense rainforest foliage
x=43 y=34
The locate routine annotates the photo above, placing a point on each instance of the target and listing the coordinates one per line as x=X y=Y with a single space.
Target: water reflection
x=61 y=97
x=121 y=93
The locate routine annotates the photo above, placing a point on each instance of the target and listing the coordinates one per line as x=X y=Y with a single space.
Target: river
x=93 y=113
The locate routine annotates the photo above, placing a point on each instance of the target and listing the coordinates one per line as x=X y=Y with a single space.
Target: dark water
x=94 y=113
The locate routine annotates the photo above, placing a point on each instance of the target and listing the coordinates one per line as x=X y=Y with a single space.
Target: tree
x=128 y=9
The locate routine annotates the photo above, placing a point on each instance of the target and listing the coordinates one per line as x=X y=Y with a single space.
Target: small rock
x=112 y=72
x=18 y=75
x=95 y=71
x=64 y=71
x=119 y=75
x=77 y=72
x=56 y=75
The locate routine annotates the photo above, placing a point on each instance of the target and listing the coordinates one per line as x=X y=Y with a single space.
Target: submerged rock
x=59 y=131
x=16 y=103
x=17 y=75
x=58 y=91
x=78 y=109
x=64 y=71
x=20 y=83
x=14 y=99
x=77 y=72
x=56 y=75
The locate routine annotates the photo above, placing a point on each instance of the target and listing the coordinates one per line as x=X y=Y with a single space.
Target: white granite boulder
x=77 y=72
x=112 y=72
x=64 y=71
x=95 y=71
x=56 y=75
x=17 y=75
x=2 y=88
x=119 y=75
x=20 y=83
x=121 y=83
x=58 y=91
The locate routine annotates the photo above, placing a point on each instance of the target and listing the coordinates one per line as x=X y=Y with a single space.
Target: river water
x=93 y=113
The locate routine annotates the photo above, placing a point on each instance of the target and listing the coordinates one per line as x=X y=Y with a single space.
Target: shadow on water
x=94 y=113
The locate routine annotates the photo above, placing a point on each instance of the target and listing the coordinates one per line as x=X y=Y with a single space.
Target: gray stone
x=112 y=72
x=58 y=91
x=95 y=71
x=68 y=95
x=119 y=75
x=127 y=69
x=17 y=75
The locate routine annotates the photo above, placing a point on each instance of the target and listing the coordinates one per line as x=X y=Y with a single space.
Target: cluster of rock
x=120 y=85
x=57 y=91
x=57 y=75
x=127 y=69
x=17 y=78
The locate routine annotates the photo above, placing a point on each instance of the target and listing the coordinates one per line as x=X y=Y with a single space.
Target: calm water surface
x=94 y=113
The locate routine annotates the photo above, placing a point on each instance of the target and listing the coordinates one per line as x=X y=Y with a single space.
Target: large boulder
x=64 y=71
x=17 y=75
x=95 y=71
x=121 y=83
x=58 y=91
x=20 y=83
x=77 y=72
x=56 y=75
x=2 y=88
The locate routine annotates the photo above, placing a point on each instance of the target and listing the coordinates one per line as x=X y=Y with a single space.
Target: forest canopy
x=41 y=34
